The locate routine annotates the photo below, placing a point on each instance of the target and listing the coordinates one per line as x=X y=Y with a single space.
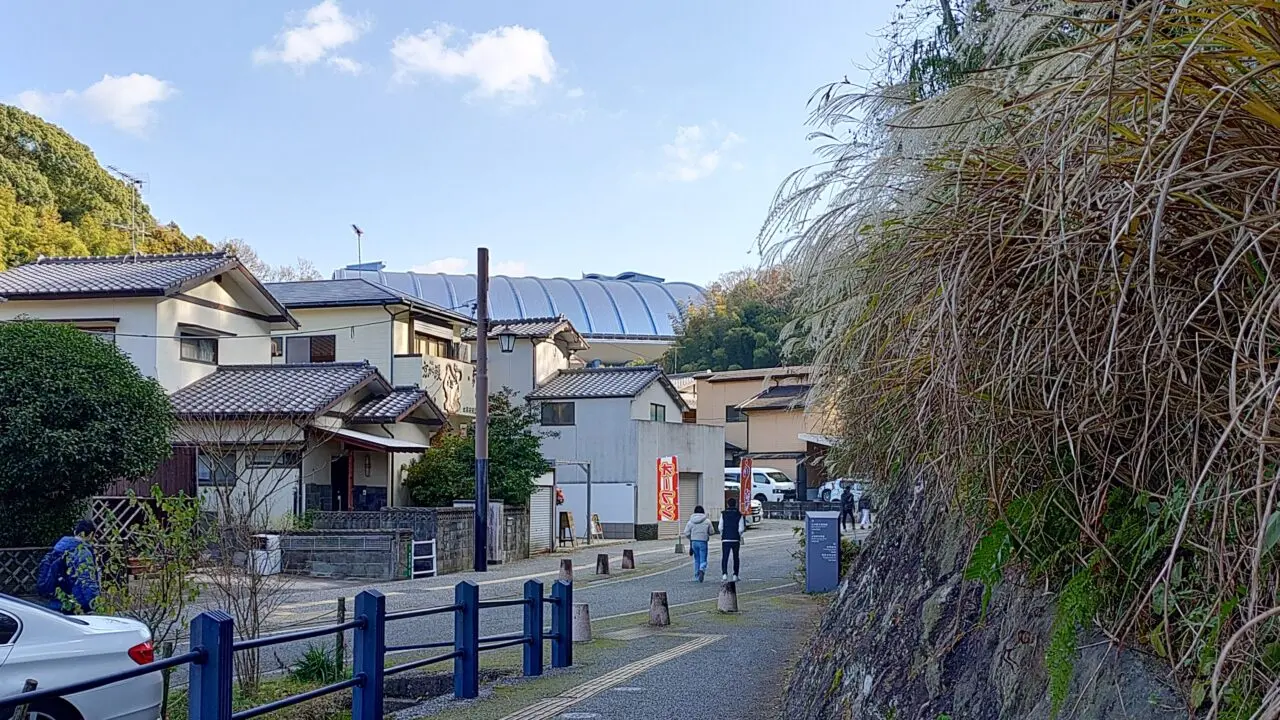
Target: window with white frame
x=215 y=469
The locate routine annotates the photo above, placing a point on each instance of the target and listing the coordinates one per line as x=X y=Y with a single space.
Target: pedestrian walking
x=732 y=527
x=71 y=568
x=699 y=531
x=848 y=506
x=864 y=508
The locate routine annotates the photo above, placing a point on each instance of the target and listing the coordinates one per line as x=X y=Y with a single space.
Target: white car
x=55 y=650
x=833 y=490
x=757 y=510
x=767 y=484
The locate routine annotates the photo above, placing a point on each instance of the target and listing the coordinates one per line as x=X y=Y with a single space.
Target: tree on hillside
x=446 y=472
x=55 y=199
x=75 y=415
x=303 y=269
x=744 y=324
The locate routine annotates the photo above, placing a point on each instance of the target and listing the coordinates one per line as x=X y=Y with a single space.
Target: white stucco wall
x=360 y=333
x=251 y=344
x=548 y=359
x=512 y=370
x=655 y=394
x=624 y=450
x=697 y=448
x=137 y=317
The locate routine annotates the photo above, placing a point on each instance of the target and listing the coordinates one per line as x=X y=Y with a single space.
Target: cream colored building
x=250 y=431
x=765 y=416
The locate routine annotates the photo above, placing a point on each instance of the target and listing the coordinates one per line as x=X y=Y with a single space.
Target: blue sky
x=567 y=137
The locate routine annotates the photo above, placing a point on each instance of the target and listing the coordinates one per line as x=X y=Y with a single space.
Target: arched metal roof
x=627 y=305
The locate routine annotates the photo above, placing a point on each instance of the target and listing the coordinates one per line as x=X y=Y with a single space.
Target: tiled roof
x=529 y=327
x=298 y=390
x=778 y=397
x=349 y=293
x=623 y=382
x=391 y=408
x=112 y=276
x=755 y=374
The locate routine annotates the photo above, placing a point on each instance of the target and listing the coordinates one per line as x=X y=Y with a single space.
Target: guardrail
x=795 y=509
x=212 y=647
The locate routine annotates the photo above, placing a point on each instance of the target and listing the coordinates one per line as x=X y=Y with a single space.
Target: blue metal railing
x=213 y=647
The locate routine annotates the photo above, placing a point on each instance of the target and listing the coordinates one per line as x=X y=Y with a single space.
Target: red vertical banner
x=668 y=490
x=744 y=486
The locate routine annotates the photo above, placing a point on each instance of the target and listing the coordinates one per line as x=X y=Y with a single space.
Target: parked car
x=734 y=488
x=767 y=484
x=833 y=490
x=54 y=649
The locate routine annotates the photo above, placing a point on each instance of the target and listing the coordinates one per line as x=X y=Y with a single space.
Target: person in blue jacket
x=72 y=568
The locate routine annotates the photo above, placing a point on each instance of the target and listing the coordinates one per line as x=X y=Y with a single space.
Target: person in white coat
x=699 y=531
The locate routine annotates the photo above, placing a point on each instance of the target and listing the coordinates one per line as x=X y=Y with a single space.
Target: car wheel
x=53 y=710
x=826 y=496
x=762 y=499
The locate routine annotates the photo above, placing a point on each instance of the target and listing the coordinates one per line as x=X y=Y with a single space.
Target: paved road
x=766 y=563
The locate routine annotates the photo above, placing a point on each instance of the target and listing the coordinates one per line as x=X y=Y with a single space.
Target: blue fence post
x=209 y=682
x=533 y=628
x=562 y=625
x=466 y=641
x=369 y=652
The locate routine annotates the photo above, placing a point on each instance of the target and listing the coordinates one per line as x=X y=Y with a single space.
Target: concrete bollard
x=566 y=571
x=628 y=559
x=727 y=601
x=602 y=564
x=659 y=612
x=581 y=623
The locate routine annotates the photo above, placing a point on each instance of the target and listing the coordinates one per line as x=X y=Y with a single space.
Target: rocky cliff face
x=905 y=637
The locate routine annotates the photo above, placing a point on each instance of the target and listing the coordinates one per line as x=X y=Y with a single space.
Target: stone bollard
x=602 y=564
x=659 y=612
x=581 y=623
x=628 y=559
x=566 y=571
x=727 y=602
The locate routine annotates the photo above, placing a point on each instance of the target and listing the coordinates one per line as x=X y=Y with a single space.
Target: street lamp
x=507 y=339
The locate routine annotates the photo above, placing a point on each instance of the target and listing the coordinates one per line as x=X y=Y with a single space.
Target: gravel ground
x=767 y=563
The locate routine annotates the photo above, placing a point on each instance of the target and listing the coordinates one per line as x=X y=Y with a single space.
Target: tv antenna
x=359 y=251
x=136 y=182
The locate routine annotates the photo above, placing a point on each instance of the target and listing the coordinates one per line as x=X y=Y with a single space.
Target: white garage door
x=540 y=504
x=690 y=497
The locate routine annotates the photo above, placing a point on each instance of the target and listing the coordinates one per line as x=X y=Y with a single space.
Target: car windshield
x=39 y=608
x=778 y=477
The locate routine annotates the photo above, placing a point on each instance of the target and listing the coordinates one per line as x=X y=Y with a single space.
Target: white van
x=767 y=484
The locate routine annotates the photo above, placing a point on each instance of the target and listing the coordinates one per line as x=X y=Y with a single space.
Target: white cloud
x=459 y=266
x=448 y=266
x=575 y=93
x=322 y=29
x=346 y=65
x=697 y=153
x=509 y=267
x=125 y=101
x=506 y=62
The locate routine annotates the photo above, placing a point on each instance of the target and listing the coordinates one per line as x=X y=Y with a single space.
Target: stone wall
x=455 y=540
x=905 y=637
x=371 y=554
x=453 y=529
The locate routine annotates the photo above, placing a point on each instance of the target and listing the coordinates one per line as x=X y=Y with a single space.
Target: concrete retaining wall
x=372 y=554
x=453 y=529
